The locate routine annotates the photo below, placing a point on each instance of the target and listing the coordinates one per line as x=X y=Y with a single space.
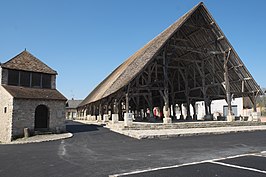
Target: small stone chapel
x=29 y=98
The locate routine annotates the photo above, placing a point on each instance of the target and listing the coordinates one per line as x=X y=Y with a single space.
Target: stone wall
x=6 y=107
x=186 y=125
x=24 y=115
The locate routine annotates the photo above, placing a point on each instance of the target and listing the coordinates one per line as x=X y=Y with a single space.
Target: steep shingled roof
x=27 y=62
x=34 y=93
x=128 y=70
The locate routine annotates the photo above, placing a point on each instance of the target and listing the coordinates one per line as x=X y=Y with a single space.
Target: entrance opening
x=41 y=118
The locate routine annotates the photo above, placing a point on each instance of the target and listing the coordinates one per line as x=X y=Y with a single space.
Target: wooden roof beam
x=198 y=50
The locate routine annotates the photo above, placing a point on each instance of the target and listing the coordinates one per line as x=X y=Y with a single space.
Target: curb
x=138 y=134
x=42 y=138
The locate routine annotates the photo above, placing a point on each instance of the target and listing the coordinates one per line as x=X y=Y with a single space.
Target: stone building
x=28 y=98
x=71 y=109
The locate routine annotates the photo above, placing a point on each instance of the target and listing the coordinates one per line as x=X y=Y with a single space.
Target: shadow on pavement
x=79 y=128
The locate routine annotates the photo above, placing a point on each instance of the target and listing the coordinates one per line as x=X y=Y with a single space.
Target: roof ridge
x=147 y=46
x=18 y=62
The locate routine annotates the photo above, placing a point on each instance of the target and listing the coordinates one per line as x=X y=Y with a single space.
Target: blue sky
x=85 y=40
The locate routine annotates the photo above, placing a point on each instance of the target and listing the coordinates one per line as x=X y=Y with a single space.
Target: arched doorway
x=41 y=118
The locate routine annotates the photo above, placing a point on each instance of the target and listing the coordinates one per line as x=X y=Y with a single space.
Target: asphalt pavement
x=244 y=166
x=96 y=151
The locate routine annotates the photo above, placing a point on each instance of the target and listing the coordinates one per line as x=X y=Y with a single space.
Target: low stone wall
x=186 y=125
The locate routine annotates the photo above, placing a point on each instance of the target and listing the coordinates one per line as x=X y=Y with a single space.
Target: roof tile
x=27 y=62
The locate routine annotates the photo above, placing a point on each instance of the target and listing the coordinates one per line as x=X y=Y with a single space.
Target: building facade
x=71 y=109
x=28 y=98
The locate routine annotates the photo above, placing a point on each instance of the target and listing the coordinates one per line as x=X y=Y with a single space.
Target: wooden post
x=227 y=83
x=254 y=97
x=204 y=89
x=150 y=105
x=210 y=110
x=194 y=110
x=120 y=112
x=187 y=96
x=115 y=107
x=165 y=73
x=127 y=103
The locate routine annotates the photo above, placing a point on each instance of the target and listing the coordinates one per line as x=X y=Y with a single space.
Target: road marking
x=62 y=149
x=156 y=169
x=239 y=167
x=192 y=163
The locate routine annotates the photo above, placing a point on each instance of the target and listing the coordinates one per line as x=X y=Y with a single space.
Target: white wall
x=6 y=102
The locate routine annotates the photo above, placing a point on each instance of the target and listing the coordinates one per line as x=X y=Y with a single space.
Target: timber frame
x=190 y=61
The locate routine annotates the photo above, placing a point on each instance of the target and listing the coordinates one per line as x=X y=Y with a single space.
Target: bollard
x=26 y=132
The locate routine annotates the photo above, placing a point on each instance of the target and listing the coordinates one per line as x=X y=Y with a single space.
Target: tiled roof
x=27 y=62
x=73 y=103
x=34 y=93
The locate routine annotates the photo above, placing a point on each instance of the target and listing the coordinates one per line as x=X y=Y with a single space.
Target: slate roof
x=34 y=93
x=128 y=70
x=73 y=104
x=27 y=62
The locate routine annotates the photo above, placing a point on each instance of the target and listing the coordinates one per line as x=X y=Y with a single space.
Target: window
x=5 y=109
x=13 y=77
x=29 y=79
x=36 y=80
x=25 y=78
x=46 y=81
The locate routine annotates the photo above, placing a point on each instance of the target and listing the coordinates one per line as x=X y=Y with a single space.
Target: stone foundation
x=230 y=118
x=128 y=120
x=188 y=125
x=256 y=116
x=106 y=118
x=167 y=120
x=115 y=118
x=93 y=118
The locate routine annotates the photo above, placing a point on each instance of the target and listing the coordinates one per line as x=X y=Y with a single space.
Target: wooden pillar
x=227 y=83
x=100 y=110
x=127 y=103
x=93 y=110
x=206 y=103
x=187 y=96
x=194 y=110
x=120 y=112
x=165 y=73
x=150 y=104
x=254 y=98
x=204 y=89
x=115 y=107
x=210 y=110
x=188 y=110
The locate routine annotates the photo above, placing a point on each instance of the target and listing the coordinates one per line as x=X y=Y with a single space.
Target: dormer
x=25 y=70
